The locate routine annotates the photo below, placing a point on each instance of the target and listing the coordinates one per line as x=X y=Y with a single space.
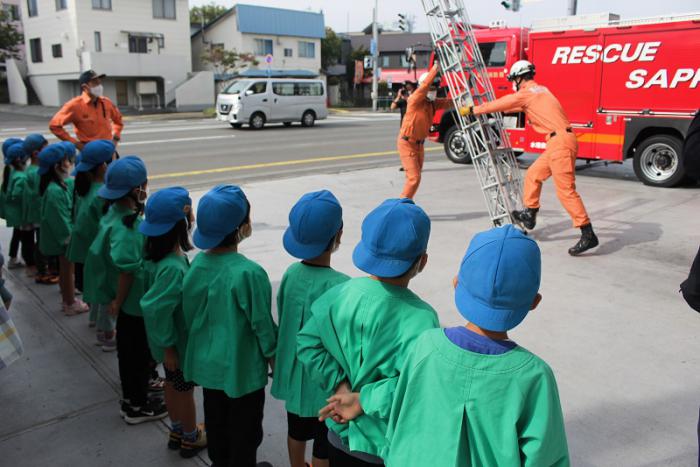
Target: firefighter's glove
x=466 y=111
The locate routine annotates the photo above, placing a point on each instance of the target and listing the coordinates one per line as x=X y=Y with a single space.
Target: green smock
x=301 y=285
x=361 y=331
x=458 y=408
x=162 y=305
x=88 y=212
x=14 y=199
x=32 y=199
x=116 y=249
x=56 y=219
x=226 y=299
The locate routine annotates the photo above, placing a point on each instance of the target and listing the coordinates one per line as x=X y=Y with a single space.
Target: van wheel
x=237 y=125
x=658 y=162
x=308 y=119
x=257 y=121
x=287 y=123
x=456 y=147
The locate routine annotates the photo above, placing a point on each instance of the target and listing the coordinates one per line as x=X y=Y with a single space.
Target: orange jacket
x=92 y=120
x=542 y=109
x=420 y=111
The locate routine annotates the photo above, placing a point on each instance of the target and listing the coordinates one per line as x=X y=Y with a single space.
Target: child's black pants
x=134 y=356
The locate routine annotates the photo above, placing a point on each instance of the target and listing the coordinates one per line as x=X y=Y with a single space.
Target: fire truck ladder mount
x=485 y=138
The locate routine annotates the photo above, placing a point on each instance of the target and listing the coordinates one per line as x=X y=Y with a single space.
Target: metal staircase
x=464 y=71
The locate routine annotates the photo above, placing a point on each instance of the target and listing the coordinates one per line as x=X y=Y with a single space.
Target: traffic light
x=403 y=22
x=513 y=5
x=368 y=62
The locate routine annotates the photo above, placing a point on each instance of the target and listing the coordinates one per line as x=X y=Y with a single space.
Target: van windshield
x=236 y=87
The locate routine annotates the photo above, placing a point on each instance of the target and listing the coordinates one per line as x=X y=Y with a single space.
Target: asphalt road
x=199 y=153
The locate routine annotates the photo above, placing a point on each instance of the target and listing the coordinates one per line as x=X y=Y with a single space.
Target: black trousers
x=78 y=274
x=14 y=243
x=25 y=238
x=338 y=458
x=234 y=427
x=134 y=355
x=40 y=260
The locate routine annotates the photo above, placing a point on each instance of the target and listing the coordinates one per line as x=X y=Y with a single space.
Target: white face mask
x=432 y=95
x=515 y=87
x=142 y=194
x=97 y=91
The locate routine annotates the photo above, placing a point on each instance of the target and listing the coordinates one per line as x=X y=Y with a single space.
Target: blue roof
x=279 y=22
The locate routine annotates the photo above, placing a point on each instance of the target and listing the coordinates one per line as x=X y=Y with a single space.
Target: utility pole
x=375 y=57
x=571 y=10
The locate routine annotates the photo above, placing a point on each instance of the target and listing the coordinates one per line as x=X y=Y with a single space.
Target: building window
x=57 y=51
x=98 y=41
x=101 y=4
x=138 y=45
x=11 y=11
x=263 y=47
x=307 y=50
x=288 y=52
x=32 y=9
x=35 y=50
x=164 y=9
x=61 y=4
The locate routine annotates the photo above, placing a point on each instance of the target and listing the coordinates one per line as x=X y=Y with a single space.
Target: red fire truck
x=630 y=89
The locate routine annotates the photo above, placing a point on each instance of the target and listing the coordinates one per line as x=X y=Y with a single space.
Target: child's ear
x=536 y=301
x=339 y=236
x=423 y=262
x=455 y=281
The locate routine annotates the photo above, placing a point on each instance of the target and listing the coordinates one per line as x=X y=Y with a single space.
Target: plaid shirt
x=10 y=344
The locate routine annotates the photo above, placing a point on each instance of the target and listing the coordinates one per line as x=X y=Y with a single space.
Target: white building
x=142 y=46
x=292 y=38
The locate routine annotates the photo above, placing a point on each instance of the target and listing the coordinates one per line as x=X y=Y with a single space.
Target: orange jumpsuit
x=546 y=116
x=414 y=129
x=91 y=120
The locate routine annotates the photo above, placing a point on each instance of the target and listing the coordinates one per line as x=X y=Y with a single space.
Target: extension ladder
x=485 y=138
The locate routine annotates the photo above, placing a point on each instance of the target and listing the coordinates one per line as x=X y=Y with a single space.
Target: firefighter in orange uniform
x=546 y=116
x=420 y=110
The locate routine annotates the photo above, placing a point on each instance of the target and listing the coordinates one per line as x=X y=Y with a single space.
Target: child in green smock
x=231 y=336
x=88 y=210
x=166 y=227
x=469 y=396
x=33 y=144
x=360 y=331
x=15 y=189
x=14 y=262
x=56 y=163
x=114 y=278
x=315 y=228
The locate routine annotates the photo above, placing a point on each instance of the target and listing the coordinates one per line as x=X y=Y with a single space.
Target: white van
x=259 y=101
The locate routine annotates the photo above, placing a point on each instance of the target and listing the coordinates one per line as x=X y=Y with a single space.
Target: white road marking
x=175 y=140
x=5 y=130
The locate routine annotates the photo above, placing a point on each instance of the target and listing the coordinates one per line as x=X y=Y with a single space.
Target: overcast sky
x=358 y=13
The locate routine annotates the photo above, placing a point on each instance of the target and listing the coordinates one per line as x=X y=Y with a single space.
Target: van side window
x=283 y=89
x=308 y=89
x=259 y=88
x=494 y=53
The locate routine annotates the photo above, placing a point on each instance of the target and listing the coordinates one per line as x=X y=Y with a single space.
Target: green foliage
x=227 y=61
x=210 y=12
x=331 y=49
x=10 y=37
x=356 y=54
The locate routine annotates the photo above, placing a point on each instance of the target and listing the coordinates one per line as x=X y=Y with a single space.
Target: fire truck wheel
x=455 y=147
x=658 y=162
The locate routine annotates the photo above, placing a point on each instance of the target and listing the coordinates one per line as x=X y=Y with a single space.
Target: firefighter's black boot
x=588 y=240
x=527 y=217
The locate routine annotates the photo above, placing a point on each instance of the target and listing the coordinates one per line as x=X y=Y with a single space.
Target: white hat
x=520 y=68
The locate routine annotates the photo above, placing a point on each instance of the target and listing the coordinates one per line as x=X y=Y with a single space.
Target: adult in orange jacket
x=420 y=109
x=92 y=115
x=546 y=116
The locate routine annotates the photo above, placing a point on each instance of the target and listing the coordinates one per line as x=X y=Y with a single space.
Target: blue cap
x=313 y=222
x=499 y=278
x=123 y=175
x=220 y=211
x=50 y=156
x=69 y=149
x=7 y=143
x=164 y=209
x=15 y=153
x=394 y=235
x=34 y=142
x=93 y=154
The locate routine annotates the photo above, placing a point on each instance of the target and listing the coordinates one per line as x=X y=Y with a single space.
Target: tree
x=331 y=49
x=227 y=61
x=10 y=37
x=210 y=12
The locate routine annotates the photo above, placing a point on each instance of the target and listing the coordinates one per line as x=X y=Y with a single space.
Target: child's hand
x=113 y=309
x=342 y=408
x=171 y=361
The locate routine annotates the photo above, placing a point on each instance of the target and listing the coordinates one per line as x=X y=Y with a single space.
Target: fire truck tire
x=455 y=147
x=658 y=161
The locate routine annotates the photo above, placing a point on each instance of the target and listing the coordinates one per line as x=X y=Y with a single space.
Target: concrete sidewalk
x=612 y=325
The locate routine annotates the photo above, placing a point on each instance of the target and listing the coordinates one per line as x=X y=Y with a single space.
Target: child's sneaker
x=156 y=384
x=15 y=263
x=123 y=407
x=75 y=308
x=100 y=338
x=148 y=412
x=190 y=449
x=109 y=345
x=174 y=440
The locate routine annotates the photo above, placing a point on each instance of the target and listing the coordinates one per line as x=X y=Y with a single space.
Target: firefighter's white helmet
x=520 y=68
x=422 y=79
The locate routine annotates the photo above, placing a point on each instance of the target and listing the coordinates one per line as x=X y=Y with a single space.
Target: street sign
x=379 y=74
x=368 y=62
x=373 y=47
x=359 y=72
x=268 y=58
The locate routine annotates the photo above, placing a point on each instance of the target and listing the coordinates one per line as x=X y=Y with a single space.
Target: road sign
x=359 y=72
x=379 y=74
x=368 y=62
x=268 y=58
x=373 y=47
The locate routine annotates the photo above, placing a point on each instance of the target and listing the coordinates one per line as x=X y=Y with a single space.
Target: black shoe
x=401 y=169
x=148 y=412
x=527 y=217
x=588 y=240
x=263 y=464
